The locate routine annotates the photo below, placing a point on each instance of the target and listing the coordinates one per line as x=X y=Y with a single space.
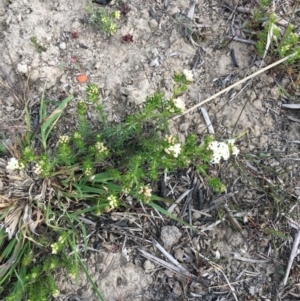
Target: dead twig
x=171 y=267
x=168 y=255
x=237 y=256
x=235 y=84
x=293 y=254
x=210 y=128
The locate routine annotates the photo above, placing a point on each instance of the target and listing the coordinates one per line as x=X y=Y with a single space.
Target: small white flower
x=63 y=139
x=170 y=139
x=220 y=150
x=37 y=169
x=100 y=147
x=77 y=135
x=174 y=150
x=88 y=171
x=55 y=293
x=55 y=248
x=12 y=164
x=125 y=190
x=146 y=191
x=230 y=142
x=179 y=104
x=188 y=75
x=21 y=165
x=234 y=150
x=113 y=202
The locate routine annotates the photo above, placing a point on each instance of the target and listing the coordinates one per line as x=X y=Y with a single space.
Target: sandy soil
x=251 y=260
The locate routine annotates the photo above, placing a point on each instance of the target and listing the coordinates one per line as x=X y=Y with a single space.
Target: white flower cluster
x=188 y=75
x=222 y=150
x=100 y=147
x=77 y=135
x=55 y=293
x=14 y=164
x=88 y=171
x=37 y=169
x=179 y=104
x=113 y=202
x=63 y=139
x=146 y=191
x=175 y=148
x=56 y=247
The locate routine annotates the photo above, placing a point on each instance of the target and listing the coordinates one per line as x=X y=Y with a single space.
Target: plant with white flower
x=188 y=75
x=170 y=139
x=173 y=148
x=63 y=139
x=113 y=202
x=55 y=293
x=145 y=192
x=233 y=148
x=179 y=104
x=222 y=150
x=14 y=164
x=100 y=147
x=55 y=248
x=37 y=169
x=88 y=171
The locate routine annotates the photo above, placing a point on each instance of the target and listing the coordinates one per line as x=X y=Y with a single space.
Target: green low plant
x=99 y=167
x=103 y=18
x=37 y=45
x=279 y=41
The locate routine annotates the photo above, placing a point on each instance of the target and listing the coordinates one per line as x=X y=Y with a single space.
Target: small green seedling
x=103 y=19
x=37 y=45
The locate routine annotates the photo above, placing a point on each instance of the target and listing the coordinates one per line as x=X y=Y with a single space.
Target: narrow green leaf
x=89 y=277
x=167 y=213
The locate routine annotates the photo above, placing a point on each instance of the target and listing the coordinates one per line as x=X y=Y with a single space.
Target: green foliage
x=184 y=25
x=37 y=45
x=279 y=41
x=265 y=3
x=103 y=19
x=98 y=167
x=36 y=281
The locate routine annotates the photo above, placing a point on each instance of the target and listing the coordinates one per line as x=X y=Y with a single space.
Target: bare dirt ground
x=242 y=262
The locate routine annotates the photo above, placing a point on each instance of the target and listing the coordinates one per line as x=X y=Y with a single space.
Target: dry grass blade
x=237 y=256
x=168 y=255
x=173 y=206
x=171 y=267
x=293 y=254
x=191 y=12
x=207 y=120
x=293 y=106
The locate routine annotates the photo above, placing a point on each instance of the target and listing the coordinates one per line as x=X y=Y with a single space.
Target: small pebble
x=170 y=235
x=149 y=266
x=62 y=46
x=154 y=63
x=153 y=23
x=22 y=68
x=9 y=109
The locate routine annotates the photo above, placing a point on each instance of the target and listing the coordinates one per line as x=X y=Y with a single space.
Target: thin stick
x=173 y=206
x=234 y=85
x=219 y=269
x=292 y=257
x=168 y=255
x=210 y=128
